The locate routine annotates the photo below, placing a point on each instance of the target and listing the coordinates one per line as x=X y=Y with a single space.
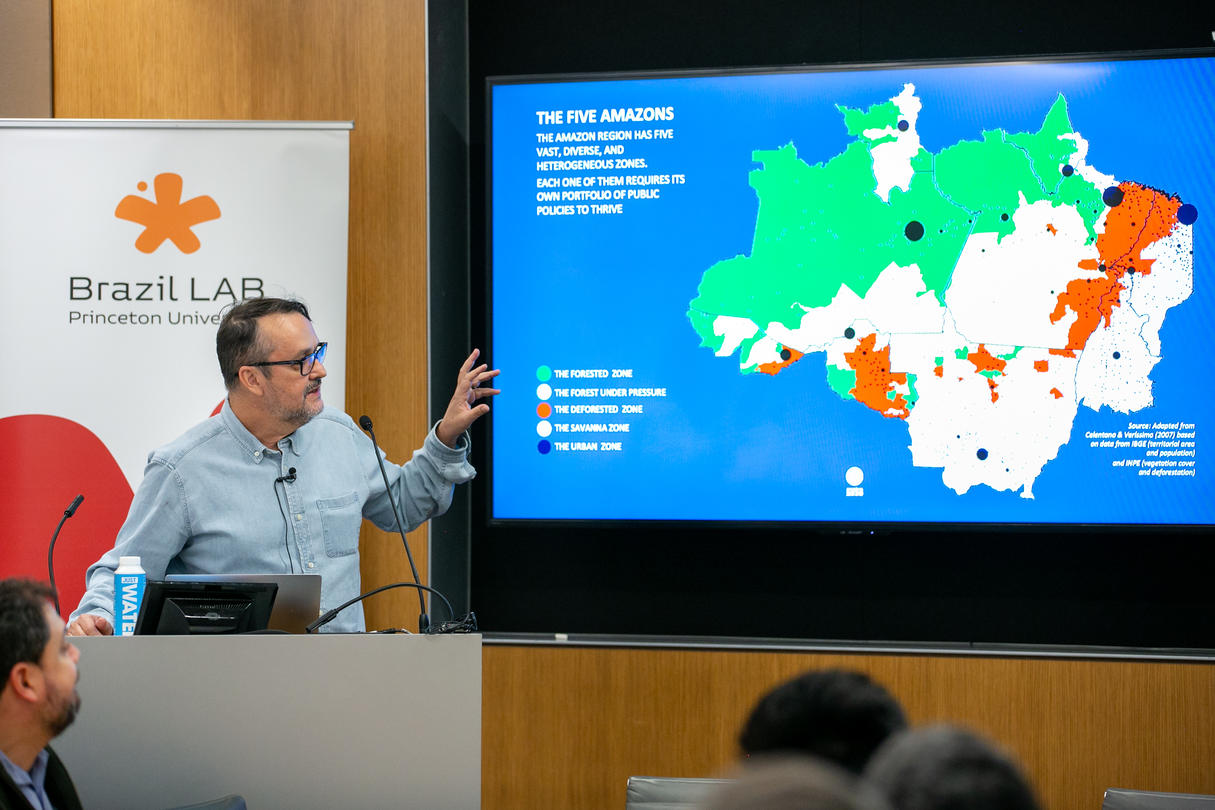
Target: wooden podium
x=317 y=721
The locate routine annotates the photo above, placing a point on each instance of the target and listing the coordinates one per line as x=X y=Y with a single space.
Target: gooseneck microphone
x=50 y=554
x=423 y=619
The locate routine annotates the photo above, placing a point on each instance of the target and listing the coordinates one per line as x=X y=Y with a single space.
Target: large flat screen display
x=896 y=294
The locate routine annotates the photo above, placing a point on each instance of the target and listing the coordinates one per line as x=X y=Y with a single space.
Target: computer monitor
x=205 y=608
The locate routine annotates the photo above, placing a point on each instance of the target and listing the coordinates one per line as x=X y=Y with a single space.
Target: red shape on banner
x=45 y=462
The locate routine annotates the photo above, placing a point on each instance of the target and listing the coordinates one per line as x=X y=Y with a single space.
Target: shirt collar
x=254 y=449
x=35 y=777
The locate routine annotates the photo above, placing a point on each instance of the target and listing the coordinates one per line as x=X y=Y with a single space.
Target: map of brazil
x=1015 y=283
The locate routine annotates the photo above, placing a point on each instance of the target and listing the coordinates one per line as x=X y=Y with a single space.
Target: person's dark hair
x=787 y=782
x=237 y=343
x=23 y=629
x=946 y=768
x=839 y=715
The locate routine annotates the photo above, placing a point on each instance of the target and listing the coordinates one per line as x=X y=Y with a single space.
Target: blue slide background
x=612 y=291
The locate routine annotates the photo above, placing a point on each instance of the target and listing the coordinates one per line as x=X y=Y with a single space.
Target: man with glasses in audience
x=38 y=698
x=276 y=482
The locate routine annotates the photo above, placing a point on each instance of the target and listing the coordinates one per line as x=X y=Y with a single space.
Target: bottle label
x=128 y=592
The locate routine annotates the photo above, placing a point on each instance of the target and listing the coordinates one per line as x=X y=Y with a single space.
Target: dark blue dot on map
x=1067 y=170
x=544 y=447
x=1112 y=197
x=784 y=354
x=914 y=231
x=1101 y=267
x=982 y=454
x=1117 y=355
x=904 y=125
x=1186 y=214
x=850 y=333
x=1004 y=217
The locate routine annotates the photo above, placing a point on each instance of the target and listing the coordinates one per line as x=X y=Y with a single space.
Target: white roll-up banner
x=121 y=242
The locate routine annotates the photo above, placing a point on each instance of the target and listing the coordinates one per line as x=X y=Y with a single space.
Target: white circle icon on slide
x=855 y=476
x=544 y=391
x=544 y=428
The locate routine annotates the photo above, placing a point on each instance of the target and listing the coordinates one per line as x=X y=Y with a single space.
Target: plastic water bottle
x=129 y=580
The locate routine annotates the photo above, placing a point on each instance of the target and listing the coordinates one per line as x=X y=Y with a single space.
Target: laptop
x=297 y=605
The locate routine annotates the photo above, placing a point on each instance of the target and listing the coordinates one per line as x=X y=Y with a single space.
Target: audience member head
x=839 y=715
x=38 y=697
x=793 y=782
x=945 y=768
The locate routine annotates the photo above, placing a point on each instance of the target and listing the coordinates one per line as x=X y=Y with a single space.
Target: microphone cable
x=330 y=615
x=285 y=479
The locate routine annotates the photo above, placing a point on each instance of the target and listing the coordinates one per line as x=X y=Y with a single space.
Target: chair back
x=1123 y=799
x=667 y=792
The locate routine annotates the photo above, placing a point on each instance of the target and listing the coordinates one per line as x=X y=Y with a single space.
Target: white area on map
x=1078 y=162
x=734 y=331
x=892 y=159
x=1121 y=383
x=954 y=417
x=897 y=301
x=1005 y=292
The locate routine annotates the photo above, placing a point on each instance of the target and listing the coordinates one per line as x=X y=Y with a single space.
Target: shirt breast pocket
x=340 y=521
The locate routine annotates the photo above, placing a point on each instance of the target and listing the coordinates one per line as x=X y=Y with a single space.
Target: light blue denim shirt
x=207 y=505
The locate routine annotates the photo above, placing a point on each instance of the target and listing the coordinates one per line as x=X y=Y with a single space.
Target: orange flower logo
x=168 y=217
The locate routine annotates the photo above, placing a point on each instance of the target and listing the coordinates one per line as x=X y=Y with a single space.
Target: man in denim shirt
x=276 y=482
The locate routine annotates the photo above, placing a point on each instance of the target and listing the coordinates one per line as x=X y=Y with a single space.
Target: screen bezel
x=1096 y=595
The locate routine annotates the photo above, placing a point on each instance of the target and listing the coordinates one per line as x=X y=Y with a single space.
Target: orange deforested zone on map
x=775 y=368
x=1058 y=394
x=985 y=361
x=939 y=371
x=1063 y=352
x=1041 y=365
x=993 y=385
x=1052 y=229
x=1091 y=299
x=874 y=381
x=1144 y=216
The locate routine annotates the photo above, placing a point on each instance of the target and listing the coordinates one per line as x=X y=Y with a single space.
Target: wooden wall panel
x=25 y=58
x=565 y=727
x=360 y=60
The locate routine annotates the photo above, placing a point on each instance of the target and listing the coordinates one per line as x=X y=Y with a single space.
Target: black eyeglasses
x=305 y=363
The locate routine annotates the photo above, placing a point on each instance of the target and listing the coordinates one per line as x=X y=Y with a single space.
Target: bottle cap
x=123 y=562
